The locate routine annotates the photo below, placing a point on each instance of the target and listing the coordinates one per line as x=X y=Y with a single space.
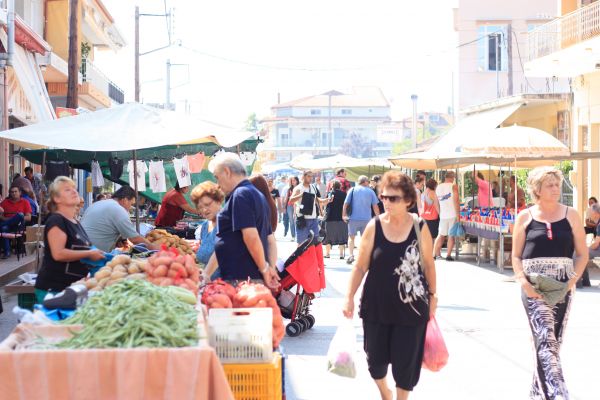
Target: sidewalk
x=485 y=329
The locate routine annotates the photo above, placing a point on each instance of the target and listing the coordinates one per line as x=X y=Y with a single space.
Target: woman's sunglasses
x=391 y=199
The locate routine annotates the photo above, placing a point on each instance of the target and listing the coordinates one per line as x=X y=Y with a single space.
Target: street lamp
x=330 y=133
x=414 y=98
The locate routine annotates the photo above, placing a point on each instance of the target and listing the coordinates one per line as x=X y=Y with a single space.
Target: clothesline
x=183 y=166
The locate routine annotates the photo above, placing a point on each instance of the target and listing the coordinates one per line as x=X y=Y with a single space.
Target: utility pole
x=73 y=76
x=414 y=98
x=137 y=54
x=509 y=60
x=329 y=133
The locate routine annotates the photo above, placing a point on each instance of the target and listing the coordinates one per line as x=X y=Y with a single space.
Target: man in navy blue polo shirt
x=245 y=246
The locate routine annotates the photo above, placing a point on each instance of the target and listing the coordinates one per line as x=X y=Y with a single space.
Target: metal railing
x=575 y=27
x=90 y=73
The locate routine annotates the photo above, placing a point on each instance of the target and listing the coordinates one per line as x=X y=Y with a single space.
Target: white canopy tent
x=124 y=127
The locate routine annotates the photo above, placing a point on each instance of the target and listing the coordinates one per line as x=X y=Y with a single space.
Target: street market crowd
x=403 y=224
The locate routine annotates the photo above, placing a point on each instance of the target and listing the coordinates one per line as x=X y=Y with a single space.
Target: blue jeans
x=9 y=225
x=303 y=233
x=292 y=220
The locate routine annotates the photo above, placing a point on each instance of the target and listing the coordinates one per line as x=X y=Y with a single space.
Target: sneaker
x=350 y=260
x=326 y=256
x=437 y=258
x=449 y=258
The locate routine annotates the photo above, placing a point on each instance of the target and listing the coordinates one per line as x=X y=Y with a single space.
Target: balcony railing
x=90 y=73
x=563 y=32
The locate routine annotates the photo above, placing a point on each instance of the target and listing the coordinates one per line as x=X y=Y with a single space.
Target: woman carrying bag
x=399 y=294
x=545 y=237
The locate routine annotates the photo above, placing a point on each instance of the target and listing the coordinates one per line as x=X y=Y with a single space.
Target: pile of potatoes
x=160 y=236
x=121 y=267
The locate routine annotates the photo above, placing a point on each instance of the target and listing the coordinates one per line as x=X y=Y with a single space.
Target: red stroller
x=304 y=269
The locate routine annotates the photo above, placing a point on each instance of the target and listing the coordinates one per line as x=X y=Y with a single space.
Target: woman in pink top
x=483 y=193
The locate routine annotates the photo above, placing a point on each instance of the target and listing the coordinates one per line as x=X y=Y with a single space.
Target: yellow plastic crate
x=255 y=381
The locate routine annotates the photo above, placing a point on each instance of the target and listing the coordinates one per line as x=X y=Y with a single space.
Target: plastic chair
x=16 y=238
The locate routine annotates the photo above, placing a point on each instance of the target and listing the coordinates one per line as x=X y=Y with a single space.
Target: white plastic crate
x=241 y=335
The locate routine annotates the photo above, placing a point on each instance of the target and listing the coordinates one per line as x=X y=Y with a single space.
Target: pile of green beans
x=133 y=313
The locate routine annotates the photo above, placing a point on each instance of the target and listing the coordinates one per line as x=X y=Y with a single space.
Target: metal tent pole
x=38 y=233
x=135 y=188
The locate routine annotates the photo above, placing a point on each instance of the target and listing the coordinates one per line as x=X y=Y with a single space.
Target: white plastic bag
x=342 y=351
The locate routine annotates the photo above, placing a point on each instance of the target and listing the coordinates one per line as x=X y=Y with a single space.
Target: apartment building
x=569 y=47
x=328 y=123
x=492 y=36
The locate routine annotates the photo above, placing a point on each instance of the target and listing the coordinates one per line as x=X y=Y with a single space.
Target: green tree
x=252 y=123
x=356 y=146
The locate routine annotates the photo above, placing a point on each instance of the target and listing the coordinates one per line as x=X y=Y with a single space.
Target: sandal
x=326 y=256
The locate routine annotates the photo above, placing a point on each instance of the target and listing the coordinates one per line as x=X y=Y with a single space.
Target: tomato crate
x=241 y=335
x=256 y=381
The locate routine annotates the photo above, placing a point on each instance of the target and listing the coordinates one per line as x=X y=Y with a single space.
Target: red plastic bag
x=435 y=356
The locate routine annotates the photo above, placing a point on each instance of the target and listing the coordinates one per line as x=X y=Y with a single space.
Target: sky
x=235 y=56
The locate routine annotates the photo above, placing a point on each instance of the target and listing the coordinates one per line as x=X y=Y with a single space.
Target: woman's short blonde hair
x=208 y=189
x=538 y=176
x=54 y=190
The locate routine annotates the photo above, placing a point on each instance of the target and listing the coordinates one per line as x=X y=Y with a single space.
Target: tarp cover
x=124 y=127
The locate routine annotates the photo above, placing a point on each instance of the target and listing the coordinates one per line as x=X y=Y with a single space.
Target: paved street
x=485 y=330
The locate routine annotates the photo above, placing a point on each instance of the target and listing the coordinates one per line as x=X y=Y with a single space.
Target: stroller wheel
x=304 y=323
x=311 y=321
x=293 y=329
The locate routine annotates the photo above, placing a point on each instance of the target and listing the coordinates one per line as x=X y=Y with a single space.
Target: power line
x=521 y=62
x=313 y=69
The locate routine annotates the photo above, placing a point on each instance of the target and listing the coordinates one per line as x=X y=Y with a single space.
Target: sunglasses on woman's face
x=391 y=199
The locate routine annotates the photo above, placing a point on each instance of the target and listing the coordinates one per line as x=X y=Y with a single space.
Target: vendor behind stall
x=65 y=241
x=173 y=206
x=521 y=202
x=108 y=220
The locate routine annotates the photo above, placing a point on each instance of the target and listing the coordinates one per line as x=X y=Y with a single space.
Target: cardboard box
x=31 y=233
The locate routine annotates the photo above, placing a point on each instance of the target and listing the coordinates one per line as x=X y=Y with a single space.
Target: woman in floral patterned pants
x=545 y=237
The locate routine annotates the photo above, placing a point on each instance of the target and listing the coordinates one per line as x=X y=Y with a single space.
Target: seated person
x=16 y=211
x=591 y=222
x=107 y=220
x=33 y=204
x=594 y=249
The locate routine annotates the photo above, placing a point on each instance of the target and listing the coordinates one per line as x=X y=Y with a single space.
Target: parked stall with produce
x=136 y=319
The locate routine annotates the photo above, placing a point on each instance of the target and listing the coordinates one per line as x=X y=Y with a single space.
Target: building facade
x=569 y=47
x=326 y=124
x=35 y=81
x=493 y=47
x=96 y=32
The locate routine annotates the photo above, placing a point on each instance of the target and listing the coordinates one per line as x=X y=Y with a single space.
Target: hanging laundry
x=247 y=158
x=182 y=171
x=57 y=168
x=97 y=178
x=196 y=162
x=158 y=182
x=142 y=168
x=115 y=166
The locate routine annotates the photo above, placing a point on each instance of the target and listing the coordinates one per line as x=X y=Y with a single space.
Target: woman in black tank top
x=548 y=240
x=399 y=293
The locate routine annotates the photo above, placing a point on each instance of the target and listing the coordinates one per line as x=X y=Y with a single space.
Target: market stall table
x=165 y=373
